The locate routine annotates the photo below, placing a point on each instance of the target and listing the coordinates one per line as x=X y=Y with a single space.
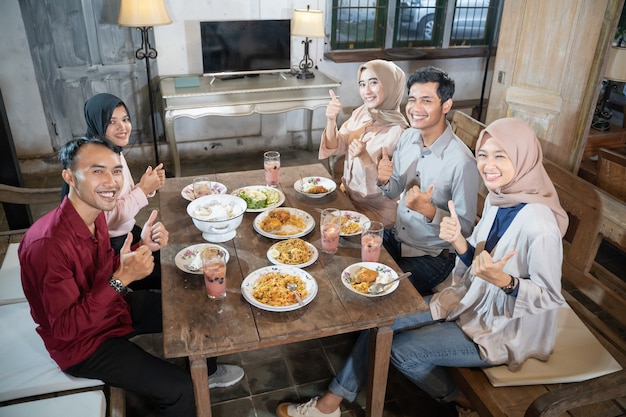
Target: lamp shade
x=308 y=23
x=138 y=13
x=616 y=68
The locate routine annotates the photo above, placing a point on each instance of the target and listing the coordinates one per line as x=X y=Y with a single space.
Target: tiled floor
x=296 y=371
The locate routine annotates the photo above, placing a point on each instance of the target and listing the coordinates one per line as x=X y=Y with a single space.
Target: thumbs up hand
x=385 y=168
x=334 y=107
x=450 y=230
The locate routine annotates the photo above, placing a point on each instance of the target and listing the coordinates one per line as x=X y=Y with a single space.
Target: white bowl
x=217 y=216
x=303 y=184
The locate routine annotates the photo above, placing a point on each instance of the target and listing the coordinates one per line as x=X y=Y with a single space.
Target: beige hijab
x=531 y=183
x=393 y=81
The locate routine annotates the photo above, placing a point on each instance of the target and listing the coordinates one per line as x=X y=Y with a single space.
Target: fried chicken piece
x=365 y=275
x=317 y=189
x=280 y=214
x=270 y=224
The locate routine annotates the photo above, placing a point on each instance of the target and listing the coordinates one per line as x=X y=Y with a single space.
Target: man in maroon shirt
x=76 y=285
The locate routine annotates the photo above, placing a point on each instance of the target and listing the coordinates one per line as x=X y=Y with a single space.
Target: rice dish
x=217 y=211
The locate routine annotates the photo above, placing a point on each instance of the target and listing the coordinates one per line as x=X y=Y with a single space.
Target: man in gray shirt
x=430 y=167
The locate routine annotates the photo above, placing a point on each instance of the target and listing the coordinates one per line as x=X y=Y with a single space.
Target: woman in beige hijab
x=376 y=124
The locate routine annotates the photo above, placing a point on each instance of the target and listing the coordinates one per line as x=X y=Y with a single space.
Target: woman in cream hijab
x=376 y=124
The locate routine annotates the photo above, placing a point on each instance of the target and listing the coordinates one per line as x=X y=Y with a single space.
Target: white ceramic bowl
x=217 y=216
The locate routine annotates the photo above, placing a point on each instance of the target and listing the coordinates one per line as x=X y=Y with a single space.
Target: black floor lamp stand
x=147 y=52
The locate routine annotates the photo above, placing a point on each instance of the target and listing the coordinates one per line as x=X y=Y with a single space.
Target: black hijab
x=98 y=112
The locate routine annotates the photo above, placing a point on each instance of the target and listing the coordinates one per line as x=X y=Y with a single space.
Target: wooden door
x=548 y=69
x=79 y=51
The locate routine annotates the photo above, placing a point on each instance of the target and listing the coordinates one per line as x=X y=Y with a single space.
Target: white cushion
x=10 y=282
x=25 y=366
x=84 y=404
x=577 y=356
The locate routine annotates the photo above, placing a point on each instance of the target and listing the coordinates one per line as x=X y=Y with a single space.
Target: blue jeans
x=422 y=348
x=426 y=271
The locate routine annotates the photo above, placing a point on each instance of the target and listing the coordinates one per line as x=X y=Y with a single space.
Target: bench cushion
x=10 y=282
x=26 y=368
x=577 y=356
x=83 y=404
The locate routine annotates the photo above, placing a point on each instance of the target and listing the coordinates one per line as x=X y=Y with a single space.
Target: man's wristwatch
x=509 y=288
x=117 y=285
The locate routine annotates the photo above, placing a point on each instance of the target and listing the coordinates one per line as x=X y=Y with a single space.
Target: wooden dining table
x=197 y=327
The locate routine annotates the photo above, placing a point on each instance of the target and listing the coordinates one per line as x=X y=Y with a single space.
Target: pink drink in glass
x=215 y=278
x=271 y=164
x=370 y=247
x=330 y=237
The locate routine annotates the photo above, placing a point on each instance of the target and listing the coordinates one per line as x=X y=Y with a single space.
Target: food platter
x=187 y=259
x=249 y=282
x=188 y=194
x=307 y=183
x=260 y=197
x=385 y=274
x=353 y=219
x=274 y=254
x=300 y=223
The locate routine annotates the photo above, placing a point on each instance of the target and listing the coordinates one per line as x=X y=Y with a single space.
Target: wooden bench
x=597 y=297
x=612 y=171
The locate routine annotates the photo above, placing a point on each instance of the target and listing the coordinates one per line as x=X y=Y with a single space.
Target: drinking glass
x=371 y=241
x=330 y=226
x=202 y=186
x=214 y=269
x=271 y=164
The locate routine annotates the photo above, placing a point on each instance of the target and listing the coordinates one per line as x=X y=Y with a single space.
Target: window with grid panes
x=362 y=24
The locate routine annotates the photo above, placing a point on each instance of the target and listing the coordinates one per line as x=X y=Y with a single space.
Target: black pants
x=152 y=281
x=121 y=363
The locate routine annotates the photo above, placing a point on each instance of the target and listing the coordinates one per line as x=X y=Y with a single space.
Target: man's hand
x=385 y=168
x=420 y=201
x=154 y=236
x=134 y=265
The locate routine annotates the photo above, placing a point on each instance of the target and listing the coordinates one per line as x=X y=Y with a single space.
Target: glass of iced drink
x=330 y=226
x=271 y=164
x=201 y=186
x=371 y=241
x=214 y=268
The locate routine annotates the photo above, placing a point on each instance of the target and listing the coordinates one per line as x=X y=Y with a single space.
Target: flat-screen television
x=244 y=47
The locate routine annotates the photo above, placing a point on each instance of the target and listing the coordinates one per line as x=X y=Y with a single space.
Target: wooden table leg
x=378 y=369
x=200 y=378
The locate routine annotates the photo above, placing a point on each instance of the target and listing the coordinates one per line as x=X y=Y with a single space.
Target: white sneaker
x=466 y=412
x=225 y=376
x=307 y=409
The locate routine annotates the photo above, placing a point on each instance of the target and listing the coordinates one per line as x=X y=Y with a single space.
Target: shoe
x=225 y=376
x=307 y=409
x=466 y=412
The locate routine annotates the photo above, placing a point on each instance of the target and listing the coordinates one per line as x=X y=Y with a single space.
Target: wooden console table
x=263 y=94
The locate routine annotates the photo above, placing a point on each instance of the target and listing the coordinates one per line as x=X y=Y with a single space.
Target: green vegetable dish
x=259 y=199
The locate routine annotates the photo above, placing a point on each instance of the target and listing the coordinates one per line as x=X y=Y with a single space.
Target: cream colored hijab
x=531 y=183
x=393 y=81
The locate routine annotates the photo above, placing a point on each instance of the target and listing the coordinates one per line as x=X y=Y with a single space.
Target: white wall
x=179 y=51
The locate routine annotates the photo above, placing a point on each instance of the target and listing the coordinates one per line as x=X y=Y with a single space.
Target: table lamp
x=615 y=72
x=307 y=23
x=144 y=14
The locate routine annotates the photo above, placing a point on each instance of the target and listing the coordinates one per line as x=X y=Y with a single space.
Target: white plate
x=261 y=188
x=313 y=254
x=250 y=281
x=327 y=183
x=217 y=187
x=308 y=220
x=185 y=257
x=356 y=217
x=385 y=274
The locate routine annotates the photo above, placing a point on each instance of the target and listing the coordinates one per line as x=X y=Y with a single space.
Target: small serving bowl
x=304 y=184
x=217 y=216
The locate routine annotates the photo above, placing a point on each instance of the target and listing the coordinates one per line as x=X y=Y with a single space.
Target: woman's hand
x=450 y=230
x=333 y=108
x=152 y=179
x=492 y=271
x=356 y=148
